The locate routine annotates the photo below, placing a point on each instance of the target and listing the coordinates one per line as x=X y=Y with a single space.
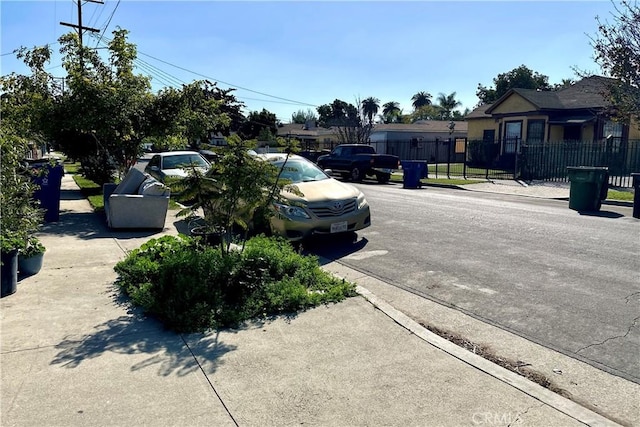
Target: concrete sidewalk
x=73 y=352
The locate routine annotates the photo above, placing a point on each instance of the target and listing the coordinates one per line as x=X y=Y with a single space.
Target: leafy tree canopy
x=520 y=77
x=338 y=113
x=259 y=125
x=106 y=111
x=370 y=107
x=391 y=112
x=349 y=121
x=617 y=51
x=421 y=99
x=302 y=117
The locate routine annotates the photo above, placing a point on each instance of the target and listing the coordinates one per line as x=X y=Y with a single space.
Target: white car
x=175 y=164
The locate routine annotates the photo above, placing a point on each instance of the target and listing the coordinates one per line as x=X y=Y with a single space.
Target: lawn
x=93 y=192
x=621 y=195
x=440 y=181
x=613 y=194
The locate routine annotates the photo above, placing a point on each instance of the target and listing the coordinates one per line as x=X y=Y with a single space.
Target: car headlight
x=291 y=211
x=362 y=201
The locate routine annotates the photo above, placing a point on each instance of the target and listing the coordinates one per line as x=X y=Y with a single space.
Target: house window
x=535 y=131
x=512 y=136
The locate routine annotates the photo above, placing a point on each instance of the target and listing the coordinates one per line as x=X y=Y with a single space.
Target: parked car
x=175 y=164
x=356 y=161
x=319 y=205
x=211 y=156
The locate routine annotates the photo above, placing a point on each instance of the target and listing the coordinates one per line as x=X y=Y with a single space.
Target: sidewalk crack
x=515 y=421
x=209 y=380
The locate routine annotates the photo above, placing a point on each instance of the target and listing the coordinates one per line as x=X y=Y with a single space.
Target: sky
x=286 y=56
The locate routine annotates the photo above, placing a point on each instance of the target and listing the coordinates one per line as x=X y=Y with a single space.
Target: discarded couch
x=139 y=201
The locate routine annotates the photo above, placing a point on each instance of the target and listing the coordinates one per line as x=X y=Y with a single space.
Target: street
x=567 y=281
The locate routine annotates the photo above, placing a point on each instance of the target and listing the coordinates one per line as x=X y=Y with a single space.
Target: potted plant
x=31 y=257
x=21 y=216
x=228 y=194
x=9 y=259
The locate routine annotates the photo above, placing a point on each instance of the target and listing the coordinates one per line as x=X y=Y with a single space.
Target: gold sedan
x=313 y=203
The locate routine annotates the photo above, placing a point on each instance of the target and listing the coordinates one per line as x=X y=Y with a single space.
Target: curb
x=561 y=404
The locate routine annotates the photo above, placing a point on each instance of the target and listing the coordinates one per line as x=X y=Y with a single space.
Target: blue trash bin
x=412 y=172
x=48 y=193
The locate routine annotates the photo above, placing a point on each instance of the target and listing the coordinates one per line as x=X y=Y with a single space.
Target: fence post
x=515 y=160
x=464 y=160
x=488 y=149
x=437 y=157
x=449 y=158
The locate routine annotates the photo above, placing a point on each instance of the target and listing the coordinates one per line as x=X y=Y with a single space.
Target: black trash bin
x=636 y=194
x=589 y=187
x=48 y=193
x=412 y=172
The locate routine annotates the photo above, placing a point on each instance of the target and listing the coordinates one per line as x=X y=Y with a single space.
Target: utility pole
x=80 y=27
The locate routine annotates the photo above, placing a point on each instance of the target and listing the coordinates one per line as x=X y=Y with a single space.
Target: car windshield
x=183 y=160
x=300 y=171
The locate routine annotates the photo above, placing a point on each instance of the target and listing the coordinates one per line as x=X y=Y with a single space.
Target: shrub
x=192 y=287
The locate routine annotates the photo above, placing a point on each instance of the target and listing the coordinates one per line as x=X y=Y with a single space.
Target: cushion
x=131 y=182
x=151 y=187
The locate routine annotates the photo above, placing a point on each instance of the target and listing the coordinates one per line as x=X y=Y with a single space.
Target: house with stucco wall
x=579 y=112
x=578 y=118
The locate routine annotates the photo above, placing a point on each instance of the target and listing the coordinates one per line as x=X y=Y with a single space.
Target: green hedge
x=192 y=287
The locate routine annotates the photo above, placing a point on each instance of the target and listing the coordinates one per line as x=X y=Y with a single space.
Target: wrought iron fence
x=549 y=161
x=541 y=161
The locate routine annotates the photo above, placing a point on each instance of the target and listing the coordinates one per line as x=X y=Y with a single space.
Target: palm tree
x=370 y=107
x=390 y=111
x=421 y=99
x=448 y=103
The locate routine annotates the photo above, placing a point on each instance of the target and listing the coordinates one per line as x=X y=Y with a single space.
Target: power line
x=229 y=84
x=108 y=22
x=14 y=51
x=284 y=101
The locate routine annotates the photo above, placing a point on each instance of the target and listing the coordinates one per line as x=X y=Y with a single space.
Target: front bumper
x=302 y=228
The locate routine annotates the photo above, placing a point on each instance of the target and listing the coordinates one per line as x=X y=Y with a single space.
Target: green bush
x=192 y=287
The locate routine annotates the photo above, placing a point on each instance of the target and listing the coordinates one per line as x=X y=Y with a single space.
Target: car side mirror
x=328 y=171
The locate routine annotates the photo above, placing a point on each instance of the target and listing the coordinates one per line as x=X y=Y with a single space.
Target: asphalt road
x=568 y=281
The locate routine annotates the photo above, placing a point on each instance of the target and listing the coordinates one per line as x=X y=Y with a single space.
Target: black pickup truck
x=356 y=161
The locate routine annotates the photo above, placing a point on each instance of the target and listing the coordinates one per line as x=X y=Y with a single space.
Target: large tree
x=421 y=99
x=261 y=124
x=370 y=107
x=347 y=119
x=520 y=77
x=447 y=104
x=617 y=51
x=303 y=117
x=190 y=116
x=426 y=112
x=391 y=112
x=101 y=118
x=106 y=111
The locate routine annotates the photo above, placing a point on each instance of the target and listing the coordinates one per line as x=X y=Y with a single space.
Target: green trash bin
x=589 y=187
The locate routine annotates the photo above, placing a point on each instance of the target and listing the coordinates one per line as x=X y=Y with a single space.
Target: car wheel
x=383 y=178
x=356 y=174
